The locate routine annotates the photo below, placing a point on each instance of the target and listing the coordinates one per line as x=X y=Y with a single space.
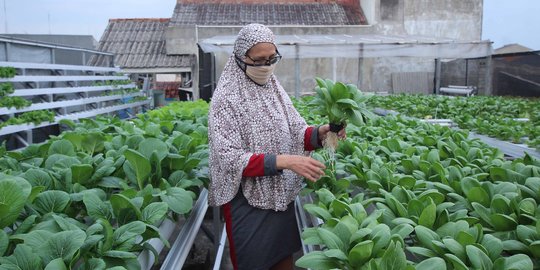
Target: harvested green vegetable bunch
x=340 y=103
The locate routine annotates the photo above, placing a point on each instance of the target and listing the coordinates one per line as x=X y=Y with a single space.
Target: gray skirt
x=258 y=238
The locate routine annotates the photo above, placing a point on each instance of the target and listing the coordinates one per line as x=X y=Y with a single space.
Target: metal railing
x=12 y=52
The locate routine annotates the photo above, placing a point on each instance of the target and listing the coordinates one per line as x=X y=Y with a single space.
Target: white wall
x=370 y=7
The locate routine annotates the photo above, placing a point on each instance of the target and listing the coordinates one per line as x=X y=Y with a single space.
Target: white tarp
x=363 y=46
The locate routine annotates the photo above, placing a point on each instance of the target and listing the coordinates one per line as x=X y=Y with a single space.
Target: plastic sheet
x=363 y=46
x=369 y=61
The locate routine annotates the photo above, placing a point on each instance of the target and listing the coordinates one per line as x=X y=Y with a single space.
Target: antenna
x=49 y=19
x=5 y=17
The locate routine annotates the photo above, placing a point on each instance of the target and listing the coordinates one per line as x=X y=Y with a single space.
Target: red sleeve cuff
x=307 y=139
x=255 y=166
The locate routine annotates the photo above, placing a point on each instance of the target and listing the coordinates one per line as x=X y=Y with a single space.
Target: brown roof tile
x=305 y=13
x=139 y=43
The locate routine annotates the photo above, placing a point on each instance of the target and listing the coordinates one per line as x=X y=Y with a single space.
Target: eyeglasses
x=269 y=62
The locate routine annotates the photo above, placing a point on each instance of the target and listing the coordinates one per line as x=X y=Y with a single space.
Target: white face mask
x=260 y=75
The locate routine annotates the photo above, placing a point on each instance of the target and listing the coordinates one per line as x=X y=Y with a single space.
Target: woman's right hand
x=324 y=129
x=304 y=166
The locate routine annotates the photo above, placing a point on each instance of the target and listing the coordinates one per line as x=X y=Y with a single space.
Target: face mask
x=260 y=75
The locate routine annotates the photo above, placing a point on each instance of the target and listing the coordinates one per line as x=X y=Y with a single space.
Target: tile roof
x=512 y=48
x=139 y=43
x=305 y=13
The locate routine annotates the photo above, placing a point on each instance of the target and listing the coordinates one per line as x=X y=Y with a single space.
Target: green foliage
x=140 y=165
x=7 y=72
x=6 y=89
x=14 y=191
x=35 y=117
x=114 y=83
x=340 y=102
x=456 y=203
x=92 y=196
x=489 y=115
x=14 y=102
x=137 y=99
x=22 y=258
x=121 y=91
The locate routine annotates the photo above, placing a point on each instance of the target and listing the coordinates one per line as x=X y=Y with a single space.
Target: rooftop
x=295 y=12
x=139 y=43
x=512 y=48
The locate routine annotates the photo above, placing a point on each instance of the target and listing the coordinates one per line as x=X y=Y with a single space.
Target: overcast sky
x=504 y=21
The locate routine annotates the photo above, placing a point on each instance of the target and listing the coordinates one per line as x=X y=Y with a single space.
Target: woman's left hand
x=324 y=129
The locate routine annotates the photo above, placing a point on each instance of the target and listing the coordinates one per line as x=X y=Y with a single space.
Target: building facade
x=193 y=21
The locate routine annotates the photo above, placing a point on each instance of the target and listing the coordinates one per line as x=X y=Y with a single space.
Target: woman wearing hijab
x=258 y=154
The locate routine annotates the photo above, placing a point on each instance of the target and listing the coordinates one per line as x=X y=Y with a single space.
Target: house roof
x=139 y=43
x=512 y=48
x=295 y=12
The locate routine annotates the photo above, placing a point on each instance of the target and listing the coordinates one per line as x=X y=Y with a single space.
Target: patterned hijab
x=246 y=119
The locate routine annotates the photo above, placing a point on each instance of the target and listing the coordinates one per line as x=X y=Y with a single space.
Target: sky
x=504 y=22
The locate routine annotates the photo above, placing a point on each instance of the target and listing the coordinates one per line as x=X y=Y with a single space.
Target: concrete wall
x=183 y=39
x=369 y=7
x=457 y=19
x=381 y=71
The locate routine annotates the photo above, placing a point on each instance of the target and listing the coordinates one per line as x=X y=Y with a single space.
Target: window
x=390 y=10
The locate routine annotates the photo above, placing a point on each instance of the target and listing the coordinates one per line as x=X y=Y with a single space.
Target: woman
x=258 y=143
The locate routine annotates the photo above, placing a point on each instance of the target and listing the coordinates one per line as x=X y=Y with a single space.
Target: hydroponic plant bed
x=439 y=200
x=92 y=197
x=507 y=118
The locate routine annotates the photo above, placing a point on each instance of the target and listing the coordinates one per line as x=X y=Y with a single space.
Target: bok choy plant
x=340 y=103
